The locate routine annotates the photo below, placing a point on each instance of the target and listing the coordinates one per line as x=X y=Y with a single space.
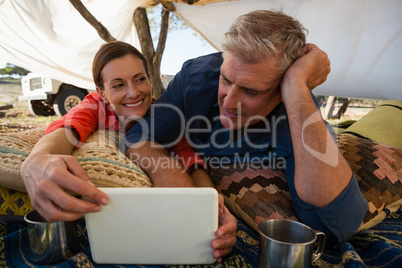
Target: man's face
x=247 y=92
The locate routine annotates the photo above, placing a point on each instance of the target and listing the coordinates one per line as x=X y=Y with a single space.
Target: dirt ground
x=19 y=117
x=9 y=93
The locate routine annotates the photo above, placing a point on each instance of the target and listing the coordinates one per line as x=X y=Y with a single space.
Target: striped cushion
x=100 y=156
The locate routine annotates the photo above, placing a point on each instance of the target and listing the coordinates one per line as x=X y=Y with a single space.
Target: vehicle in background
x=48 y=96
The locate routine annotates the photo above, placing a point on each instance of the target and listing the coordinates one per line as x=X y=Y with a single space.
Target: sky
x=181 y=45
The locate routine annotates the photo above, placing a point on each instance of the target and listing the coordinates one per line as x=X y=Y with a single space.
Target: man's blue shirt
x=189 y=107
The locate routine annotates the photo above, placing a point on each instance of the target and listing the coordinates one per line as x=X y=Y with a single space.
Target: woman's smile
x=133 y=104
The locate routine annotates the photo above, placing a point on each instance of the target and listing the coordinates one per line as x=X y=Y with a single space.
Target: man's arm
x=321 y=172
x=49 y=171
x=163 y=170
x=326 y=195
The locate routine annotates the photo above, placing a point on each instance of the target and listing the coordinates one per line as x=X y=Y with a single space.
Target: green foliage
x=154 y=20
x=11 y=69
x=175 y=23
x=10 y=80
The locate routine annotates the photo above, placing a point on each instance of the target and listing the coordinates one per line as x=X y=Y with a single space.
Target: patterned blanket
x=380 y=246
x=378 y=169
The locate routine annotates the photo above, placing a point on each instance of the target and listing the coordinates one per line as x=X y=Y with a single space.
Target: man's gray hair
x=260 y=34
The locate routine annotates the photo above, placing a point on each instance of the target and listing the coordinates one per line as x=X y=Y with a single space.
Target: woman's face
x=127 y=87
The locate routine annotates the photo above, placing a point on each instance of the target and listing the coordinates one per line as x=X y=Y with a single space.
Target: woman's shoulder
x=93 y=96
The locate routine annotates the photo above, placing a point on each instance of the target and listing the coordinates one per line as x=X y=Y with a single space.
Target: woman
x=123 y=94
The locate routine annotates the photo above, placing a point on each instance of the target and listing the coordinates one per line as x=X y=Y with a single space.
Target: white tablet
x=154 y=226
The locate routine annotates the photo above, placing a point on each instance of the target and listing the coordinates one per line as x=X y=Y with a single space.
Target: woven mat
x=14 y=249
x=380 y=246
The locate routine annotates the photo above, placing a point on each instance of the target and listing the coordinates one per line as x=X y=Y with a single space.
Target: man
x=254 y=99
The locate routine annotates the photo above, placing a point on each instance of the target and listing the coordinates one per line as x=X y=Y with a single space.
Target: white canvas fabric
x=51 y=37
x=363 y=38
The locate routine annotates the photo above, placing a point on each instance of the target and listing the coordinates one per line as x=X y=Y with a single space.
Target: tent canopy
x=363 y=38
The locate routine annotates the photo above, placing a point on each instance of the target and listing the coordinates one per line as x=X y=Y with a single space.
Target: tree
x=11 y=69
x=153 y=56
x=140 y=18
x=102 y=31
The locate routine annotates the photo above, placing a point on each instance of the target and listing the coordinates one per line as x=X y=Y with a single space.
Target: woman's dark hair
x=110 y=51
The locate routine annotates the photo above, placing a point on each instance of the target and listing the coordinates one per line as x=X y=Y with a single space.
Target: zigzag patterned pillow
x=255 y=195
x=378 y=170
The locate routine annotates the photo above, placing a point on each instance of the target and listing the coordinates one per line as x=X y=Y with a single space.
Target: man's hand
x=312 y=67
x=47 y=177
x=226 y=233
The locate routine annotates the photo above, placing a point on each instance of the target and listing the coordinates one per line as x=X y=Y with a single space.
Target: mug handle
x=321 y=244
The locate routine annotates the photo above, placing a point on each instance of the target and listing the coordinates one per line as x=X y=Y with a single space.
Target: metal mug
x=50 y=242
x=286 y=243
